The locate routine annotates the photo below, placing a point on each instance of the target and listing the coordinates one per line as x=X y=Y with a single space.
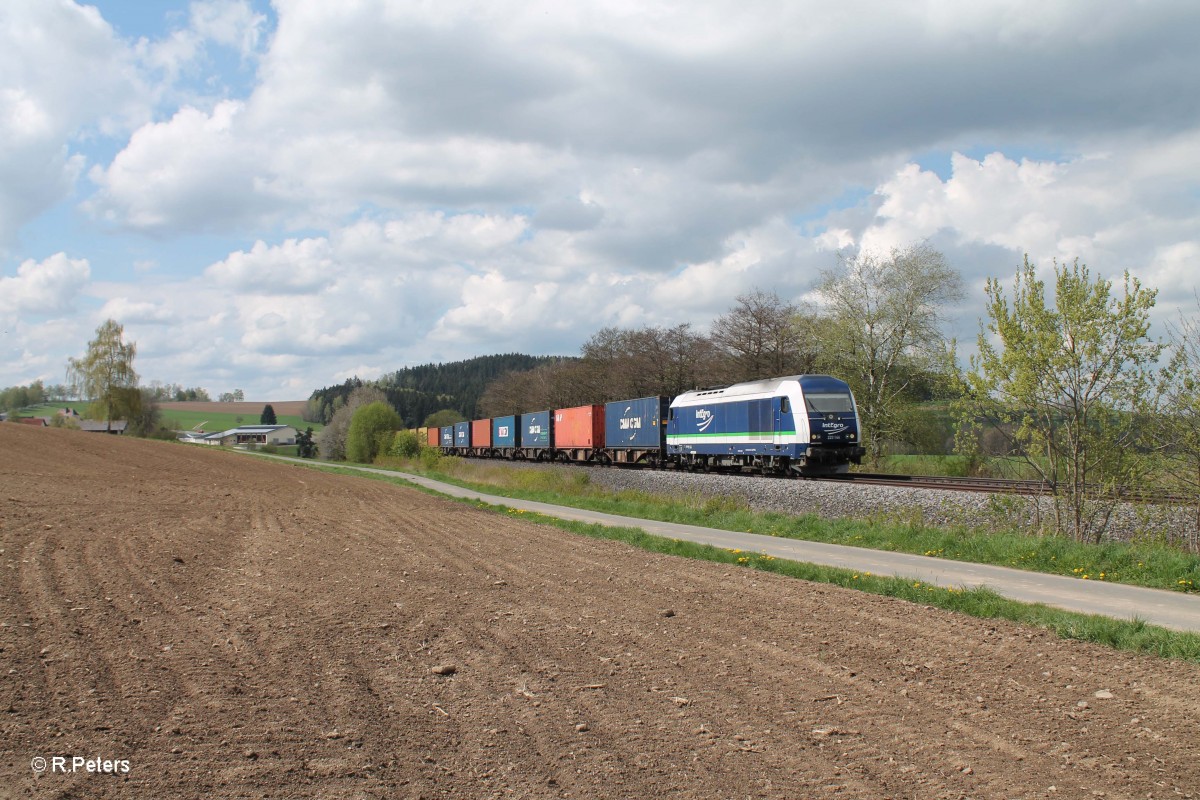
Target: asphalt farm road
x=1167 y=609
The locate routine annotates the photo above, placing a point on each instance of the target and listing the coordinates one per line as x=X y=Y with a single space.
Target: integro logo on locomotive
x=705 y=418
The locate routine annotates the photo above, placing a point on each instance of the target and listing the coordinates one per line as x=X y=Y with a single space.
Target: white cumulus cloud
x=44 y=287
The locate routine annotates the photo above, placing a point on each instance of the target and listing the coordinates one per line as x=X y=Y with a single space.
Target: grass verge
x=1131 y=635
x=1147 y=564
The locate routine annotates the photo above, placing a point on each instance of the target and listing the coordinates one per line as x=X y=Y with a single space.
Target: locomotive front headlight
x=816 y=437
x=852 y=436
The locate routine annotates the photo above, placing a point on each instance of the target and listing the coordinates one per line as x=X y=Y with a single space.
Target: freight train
x=803 y=425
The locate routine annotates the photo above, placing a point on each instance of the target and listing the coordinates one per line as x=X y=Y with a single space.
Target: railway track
x=991 y=485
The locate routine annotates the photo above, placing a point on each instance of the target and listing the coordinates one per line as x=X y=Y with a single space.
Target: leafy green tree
x=268 y=415
x=405 y=444
x=15 y=397
x=370 y=425
x=331 y=441
x=440 y=419
x=105 y=375
x=1176 y=427
x=1064 y=383
x=882 y=333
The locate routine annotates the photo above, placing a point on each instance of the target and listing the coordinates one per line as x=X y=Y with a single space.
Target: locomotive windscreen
x=829 y=402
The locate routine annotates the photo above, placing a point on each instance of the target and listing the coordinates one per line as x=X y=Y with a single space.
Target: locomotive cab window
x=829 y=402
x=784 y=406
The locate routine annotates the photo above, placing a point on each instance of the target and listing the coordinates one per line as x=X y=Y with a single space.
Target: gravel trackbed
x=191 y=623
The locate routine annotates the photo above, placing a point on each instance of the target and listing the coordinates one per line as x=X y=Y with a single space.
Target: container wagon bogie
x=635 y=432
x=578 y=433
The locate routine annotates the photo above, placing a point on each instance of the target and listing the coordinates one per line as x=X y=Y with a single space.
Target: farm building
x=116 y=427
x=252 y=434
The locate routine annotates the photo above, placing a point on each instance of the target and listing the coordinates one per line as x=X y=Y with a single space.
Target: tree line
x=13 y=398
x=417 y=392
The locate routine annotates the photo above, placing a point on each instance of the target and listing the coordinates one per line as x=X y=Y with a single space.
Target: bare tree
x=556 y=385
x=762 y=336
x=618 y=364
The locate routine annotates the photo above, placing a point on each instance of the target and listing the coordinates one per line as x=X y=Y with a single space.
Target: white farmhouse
x=252 y=435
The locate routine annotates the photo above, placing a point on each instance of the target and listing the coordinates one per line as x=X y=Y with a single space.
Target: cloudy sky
x=277 y=196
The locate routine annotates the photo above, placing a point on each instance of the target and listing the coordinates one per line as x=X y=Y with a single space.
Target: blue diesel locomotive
x=804 y=425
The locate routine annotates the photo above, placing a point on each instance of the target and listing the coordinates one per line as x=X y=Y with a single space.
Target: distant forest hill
x=417 y=392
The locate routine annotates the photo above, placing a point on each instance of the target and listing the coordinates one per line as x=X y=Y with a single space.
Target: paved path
x=1156 y=606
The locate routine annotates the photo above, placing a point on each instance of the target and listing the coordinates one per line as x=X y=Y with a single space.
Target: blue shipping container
x=447 y=436
x=462 y=434
x=505 y=432
x=635 y=424
x=535 y=429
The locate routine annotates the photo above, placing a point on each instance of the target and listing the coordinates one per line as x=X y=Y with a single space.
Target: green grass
x=1132 y=635
x=179 y=420
x=952 y=466
x=214 y=421
x=1147 y=564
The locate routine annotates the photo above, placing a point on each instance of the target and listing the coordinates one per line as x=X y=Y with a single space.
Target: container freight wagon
x=537 y=436
x=804 y=424
x=578 y=432
x=635 y=431
x=446 y=439
x=481 y=438
x=462 y=438
x=506 y=436
x=433 y=436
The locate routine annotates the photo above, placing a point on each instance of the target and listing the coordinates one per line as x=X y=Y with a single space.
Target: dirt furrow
x=235 y=628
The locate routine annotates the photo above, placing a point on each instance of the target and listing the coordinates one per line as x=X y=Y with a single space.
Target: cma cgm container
x=579 y=432
x=481 y=438
x=537 y=435
x=462 y=435
x=446 y=438
x=506 y=436
x=635 y=431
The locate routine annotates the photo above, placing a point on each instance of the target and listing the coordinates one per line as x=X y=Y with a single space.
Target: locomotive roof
x=765 y=386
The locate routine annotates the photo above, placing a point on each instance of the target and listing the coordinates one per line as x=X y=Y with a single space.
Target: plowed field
x=215 y=626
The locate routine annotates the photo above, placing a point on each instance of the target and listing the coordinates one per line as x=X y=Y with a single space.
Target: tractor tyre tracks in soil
x=243 y=629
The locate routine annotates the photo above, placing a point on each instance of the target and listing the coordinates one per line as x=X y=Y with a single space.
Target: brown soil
x=236 y=628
